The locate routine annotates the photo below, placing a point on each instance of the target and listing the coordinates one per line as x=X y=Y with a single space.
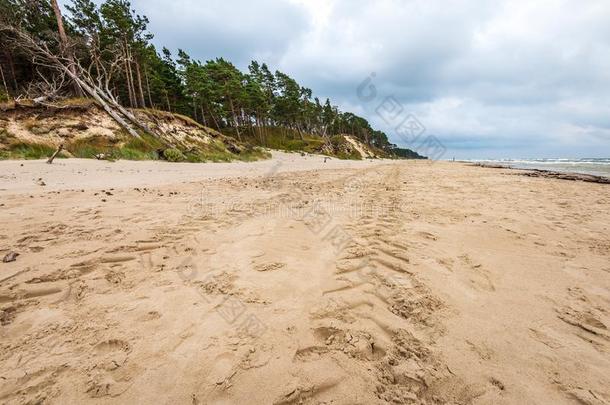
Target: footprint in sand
x=7 y=315
x=478 y=277
x=113 y=345
x=263 y=267
x=115 y=277
x=584 y=311
x=222 y=368
x=428 y=235
x=150 y=316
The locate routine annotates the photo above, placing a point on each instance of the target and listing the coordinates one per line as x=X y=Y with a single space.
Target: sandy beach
x=294 y=281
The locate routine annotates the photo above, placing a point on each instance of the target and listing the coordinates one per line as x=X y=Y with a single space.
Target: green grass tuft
x=133 y=149
x=173 y=155
x=279 y=138
x=253 y=154
x=133 y=154
x=22 y=150
x=87 y=148
x=340 y=145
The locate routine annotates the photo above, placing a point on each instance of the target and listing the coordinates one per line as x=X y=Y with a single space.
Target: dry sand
x=294 y=281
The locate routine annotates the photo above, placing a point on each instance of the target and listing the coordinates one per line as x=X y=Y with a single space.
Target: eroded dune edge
x=354 y=282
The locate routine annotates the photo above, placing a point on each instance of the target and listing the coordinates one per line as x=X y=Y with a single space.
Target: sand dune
x=295 y=281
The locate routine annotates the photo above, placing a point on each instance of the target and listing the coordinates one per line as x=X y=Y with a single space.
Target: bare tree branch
x=71 y=68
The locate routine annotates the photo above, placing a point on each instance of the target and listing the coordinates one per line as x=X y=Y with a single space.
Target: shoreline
x=549 y=174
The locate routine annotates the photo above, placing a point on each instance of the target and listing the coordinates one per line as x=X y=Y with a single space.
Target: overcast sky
x=487 y=78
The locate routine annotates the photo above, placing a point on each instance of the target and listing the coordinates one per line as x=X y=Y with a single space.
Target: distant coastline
x=590 y=166
x=593 y=170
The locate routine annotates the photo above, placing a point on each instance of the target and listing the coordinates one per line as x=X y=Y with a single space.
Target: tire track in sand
x=377 y=319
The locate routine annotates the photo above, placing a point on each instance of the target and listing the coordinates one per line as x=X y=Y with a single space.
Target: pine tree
x=112 y=44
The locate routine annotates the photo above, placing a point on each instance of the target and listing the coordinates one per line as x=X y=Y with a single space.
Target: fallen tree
x=96 y=88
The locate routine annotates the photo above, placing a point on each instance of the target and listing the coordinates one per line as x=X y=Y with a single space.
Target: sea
x=594 y=166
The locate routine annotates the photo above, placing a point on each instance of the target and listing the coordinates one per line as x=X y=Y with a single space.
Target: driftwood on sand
x=54 y=155
x=590 y=178
x=566 y=176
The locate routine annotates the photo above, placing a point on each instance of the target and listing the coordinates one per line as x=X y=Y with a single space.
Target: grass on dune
x=279 y=138
x=209 y=148
x=289 y=140
x=216 y=151
x=341 y=144
x=22 y=150
x=134 y=149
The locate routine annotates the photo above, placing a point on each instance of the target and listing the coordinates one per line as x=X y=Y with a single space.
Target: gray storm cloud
x=489 y=79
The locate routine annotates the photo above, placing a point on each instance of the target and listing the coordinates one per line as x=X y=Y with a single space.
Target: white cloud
x=515 y=75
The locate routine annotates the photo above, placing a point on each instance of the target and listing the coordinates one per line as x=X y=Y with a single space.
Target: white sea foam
x=595 y=166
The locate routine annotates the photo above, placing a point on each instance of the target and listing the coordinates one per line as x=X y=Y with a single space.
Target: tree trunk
x=141 y=90
x=148 y=88
x=63 y=39
x=236 y=123
x=96 y=96
x=131 y=78
x=128 y=78
x=131 y=100
x=250 y=126
x=260 y=128
x=214 y=119
x=128 y=114
x=169 y=107
x=205 y=124
x=11 y=64
x=4 y=82
x=63 y=43
x=95 y=51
